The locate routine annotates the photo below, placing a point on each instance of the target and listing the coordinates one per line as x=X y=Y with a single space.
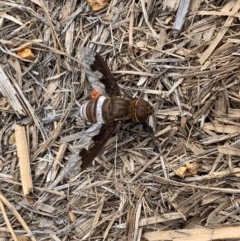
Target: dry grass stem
x=180 y=181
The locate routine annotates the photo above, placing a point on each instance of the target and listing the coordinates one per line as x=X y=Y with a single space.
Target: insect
x=107 y=110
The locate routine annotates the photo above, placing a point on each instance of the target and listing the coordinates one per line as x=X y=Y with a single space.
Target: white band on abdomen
x=83 y=111
x=99 y=115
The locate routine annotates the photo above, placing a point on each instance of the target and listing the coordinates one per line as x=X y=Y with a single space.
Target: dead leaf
x=26 y=53
x=97 y=5
x=189 y=169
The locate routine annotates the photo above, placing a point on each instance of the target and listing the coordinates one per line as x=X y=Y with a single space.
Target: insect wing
x=87 y=156
x=85 y=142
x=98 y=73
x=107 y=79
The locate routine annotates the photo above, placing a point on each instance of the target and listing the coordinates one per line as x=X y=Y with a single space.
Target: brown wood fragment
x=227 y=150
x=24 y=160
x=58 y=161
x=221 y=128
x=196 y=234
x=17 y=215
x=7 y=222
x=159 y=219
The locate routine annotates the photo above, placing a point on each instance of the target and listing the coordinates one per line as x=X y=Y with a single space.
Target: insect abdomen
x=95 y=111
x=110 y=109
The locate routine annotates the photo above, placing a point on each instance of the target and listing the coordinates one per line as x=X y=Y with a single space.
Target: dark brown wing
x=97 y=64
x=107 y=78
x=87 y=156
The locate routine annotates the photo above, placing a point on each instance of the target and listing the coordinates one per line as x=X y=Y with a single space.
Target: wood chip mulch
x=181 y=56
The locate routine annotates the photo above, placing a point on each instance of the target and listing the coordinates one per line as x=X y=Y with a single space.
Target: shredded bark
x=182 y=182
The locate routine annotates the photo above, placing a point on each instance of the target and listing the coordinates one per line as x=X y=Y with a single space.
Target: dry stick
x=28 y=108
x=228 y=150
x=106 y=231
x=131 y=22
x=146 y=19
x=181 y=184
x=216 y=13
x=18 y=216
x=58 y=160
x=196 y=234
x=137 y=217
x=181 y=14
x=5 y=217
x=7 y=89
x=49 y=21
x=45 y=189
x=97 y=214
x=150 y=162
x=54 y=134
x=24 y=160
x=220 y=34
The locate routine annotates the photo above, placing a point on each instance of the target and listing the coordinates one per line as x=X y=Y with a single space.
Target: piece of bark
x=24 y=160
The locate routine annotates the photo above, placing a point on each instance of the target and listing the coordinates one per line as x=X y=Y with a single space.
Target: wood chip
x=9 y=92
x=196 y=234
x=24 y=160
x=130 y=192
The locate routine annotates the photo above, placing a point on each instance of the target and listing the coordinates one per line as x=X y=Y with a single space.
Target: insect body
x=107 y=110
x=110 y=109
